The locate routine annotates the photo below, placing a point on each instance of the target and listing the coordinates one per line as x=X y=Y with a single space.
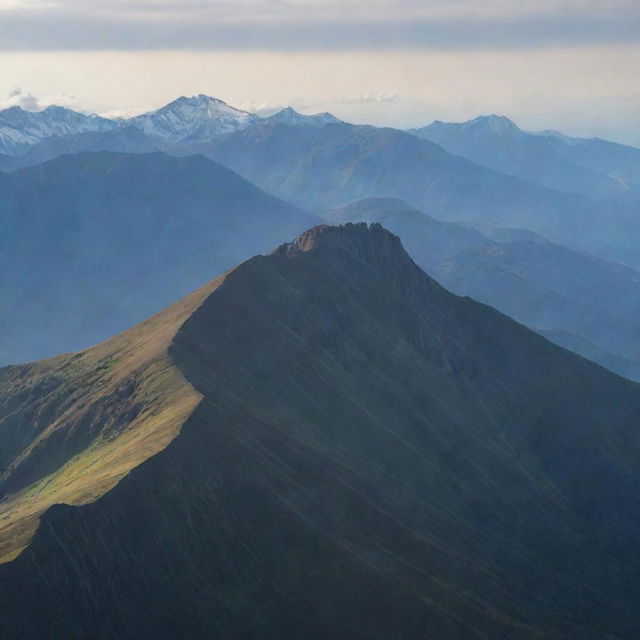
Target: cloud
x=27 y=101
x=305 y=25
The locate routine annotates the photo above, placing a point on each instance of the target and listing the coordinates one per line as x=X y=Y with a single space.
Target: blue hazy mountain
x=318 y=162
x=604 y=156
x=322 y=167
x=496 y=142
x=94 y=242
x=579 y=301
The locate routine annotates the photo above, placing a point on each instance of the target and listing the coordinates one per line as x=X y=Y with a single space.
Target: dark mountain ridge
x=373 y=457
x=582 y=302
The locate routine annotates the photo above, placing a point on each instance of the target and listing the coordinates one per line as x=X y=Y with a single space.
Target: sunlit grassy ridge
x=71 y=427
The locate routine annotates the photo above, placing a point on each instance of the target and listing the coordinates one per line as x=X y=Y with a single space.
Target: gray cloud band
x=30 y=30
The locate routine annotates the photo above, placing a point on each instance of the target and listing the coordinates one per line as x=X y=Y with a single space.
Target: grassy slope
x=71 y=427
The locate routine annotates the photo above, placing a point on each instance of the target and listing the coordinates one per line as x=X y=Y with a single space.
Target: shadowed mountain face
x=581 y=302
x=372 y=457
x=95 y=242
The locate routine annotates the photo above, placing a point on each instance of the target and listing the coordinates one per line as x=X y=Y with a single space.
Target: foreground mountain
x=371 y=456
x=20 y=129
x=496 y=142
x=581 y=302
x=325 y=167
x=95 y=242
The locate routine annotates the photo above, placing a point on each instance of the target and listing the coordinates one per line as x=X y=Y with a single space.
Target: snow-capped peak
x=290 y=116
x=20 y=129
x=493 y=123
x=195 y=119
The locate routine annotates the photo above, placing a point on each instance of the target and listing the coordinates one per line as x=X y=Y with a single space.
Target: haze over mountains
x=83 y=259
x=361 y=454
x=496 y=142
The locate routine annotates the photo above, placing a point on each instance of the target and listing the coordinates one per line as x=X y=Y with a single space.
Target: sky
x=571 y=65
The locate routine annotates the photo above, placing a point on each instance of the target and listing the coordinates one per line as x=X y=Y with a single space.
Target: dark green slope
x=373 y=457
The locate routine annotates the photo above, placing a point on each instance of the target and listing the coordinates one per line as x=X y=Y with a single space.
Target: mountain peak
x=361 y=241
x=289 y=115
x=494 y=123
x=199 y=118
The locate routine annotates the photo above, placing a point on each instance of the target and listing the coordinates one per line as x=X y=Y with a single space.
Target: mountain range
x=546 y=256
x=322 y=443
x=498 y=143
x=581 y=193
x=191 y=120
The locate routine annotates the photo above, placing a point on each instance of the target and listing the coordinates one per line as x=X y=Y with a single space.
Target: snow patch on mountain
x=292 y=117
x=197 y=119
x=21 y=129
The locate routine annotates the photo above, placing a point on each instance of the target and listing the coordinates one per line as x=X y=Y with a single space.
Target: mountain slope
x=372 y=457
x=550 y=288
x=74 y=425
x=600 y=155
x=95 y=242
x=496 y=142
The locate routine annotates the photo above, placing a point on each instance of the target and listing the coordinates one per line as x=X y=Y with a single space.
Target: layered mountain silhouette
x=94 y=242
x=497 y=142
x=581 y=302
x=338 y=163
x=580 y=193
x=370 y=456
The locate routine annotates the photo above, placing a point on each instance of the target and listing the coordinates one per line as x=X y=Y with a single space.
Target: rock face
x=371 y=457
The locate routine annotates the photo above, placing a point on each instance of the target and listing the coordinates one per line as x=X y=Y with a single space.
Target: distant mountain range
x=547 y=159
x=186 y=120
x=582 y=193
x=510 y=188
x=338 y=163
x=20 y=129
x=361 y=454
x=92 y=243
